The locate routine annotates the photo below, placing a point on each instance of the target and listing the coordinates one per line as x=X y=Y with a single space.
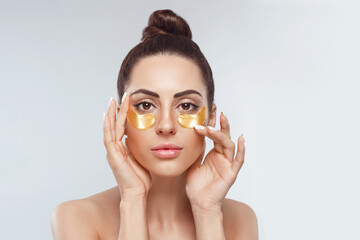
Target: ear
x=212 y=116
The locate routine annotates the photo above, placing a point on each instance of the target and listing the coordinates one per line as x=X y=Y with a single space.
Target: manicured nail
x=123 y=97
x=211 y=128
x=199 y=127
x=110 y=101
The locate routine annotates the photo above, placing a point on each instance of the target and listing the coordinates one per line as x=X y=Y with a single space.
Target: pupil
x=147 y=105
x=186 y=106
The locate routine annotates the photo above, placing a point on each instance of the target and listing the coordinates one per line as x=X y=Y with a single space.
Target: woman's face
x=157 y=86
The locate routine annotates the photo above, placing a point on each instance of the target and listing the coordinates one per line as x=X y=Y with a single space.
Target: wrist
x=133 y=194
x=132 y=200
x=205 y=207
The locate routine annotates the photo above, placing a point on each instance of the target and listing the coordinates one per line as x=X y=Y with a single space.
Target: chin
x=166 y=167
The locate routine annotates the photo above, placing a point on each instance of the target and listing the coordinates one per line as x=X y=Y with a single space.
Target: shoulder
x=78 y=219
x=70 y=220
x=240 y=221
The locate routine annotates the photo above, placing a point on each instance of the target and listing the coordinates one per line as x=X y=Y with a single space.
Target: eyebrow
x=176 y=95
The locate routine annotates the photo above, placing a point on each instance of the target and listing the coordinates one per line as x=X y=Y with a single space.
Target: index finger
x=121 y=118
x=224 y=124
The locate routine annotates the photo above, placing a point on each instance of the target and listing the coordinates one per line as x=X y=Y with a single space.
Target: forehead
x=166 y=75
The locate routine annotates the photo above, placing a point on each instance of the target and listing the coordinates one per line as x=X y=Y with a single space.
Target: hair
x=167 y=34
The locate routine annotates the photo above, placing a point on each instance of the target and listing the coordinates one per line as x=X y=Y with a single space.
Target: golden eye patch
x=146 y=121
x=139 y=121
x=190 y=120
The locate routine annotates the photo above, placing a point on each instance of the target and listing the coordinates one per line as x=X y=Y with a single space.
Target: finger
x=112 y=116
x=224 y=143
x=117 y=109
x=205 y=132
x=240 y=155
x=121 y=119
x=108 y=140
x=224 y=124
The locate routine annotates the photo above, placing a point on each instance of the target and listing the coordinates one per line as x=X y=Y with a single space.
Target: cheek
x=194 y=145
x=138 y=141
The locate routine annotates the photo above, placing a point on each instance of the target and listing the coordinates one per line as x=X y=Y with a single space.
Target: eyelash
x=192 y=104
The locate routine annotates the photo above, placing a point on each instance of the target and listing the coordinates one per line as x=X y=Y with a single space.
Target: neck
x=167 y=201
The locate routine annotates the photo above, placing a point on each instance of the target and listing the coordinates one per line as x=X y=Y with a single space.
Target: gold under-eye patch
x=146 y=121
x=141 y=122
x=190 y=120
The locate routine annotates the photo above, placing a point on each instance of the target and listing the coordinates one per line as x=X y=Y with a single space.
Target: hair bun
x=165 y=22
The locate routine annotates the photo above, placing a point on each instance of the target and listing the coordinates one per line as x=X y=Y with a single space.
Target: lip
x=166 y=146
x=166 y=150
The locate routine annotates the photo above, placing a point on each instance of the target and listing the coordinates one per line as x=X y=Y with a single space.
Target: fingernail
x=104 y=116
x=123 y=97
x=199 y=127
x=211 y=128
x=223 y=114
x=110 y=101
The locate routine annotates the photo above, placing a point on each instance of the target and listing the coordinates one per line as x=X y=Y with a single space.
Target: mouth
x=166 y=151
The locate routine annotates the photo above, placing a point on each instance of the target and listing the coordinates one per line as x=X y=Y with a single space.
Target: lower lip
x=168 y=153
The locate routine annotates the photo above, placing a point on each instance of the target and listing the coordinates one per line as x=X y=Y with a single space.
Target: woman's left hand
x=208 y=184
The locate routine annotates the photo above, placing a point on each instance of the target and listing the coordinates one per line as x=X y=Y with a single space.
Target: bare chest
x=108 y=229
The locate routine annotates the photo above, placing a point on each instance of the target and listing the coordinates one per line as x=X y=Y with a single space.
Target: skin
x=166 y=199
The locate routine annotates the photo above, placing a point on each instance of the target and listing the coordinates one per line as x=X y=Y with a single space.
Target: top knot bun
x=165 y=22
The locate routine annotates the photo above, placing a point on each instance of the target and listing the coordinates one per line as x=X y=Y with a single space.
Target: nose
x=166 y=123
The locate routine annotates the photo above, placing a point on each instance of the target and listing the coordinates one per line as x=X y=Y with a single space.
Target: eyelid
x=195 y=106
x=186 y=101
x=137 y=105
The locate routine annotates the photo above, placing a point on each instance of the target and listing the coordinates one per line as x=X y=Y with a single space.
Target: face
x=167 y=87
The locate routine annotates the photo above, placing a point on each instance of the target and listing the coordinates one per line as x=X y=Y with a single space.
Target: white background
x=286 y=75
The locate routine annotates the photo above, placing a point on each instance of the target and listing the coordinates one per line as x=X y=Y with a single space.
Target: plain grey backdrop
x=286 y=75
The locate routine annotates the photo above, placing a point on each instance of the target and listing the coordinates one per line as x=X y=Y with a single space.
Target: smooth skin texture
x=163 y=198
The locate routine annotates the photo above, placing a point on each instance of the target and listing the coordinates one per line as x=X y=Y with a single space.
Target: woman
x=166 y=111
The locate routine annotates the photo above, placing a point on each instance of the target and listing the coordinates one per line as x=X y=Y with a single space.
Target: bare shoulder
x=240 y=221
x=81 y=218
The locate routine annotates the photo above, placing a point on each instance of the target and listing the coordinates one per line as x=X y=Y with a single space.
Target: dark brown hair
x=167 y=33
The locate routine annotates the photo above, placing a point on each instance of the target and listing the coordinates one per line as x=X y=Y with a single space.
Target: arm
x=133 y=180
x=208 y=223
x=133 y=220
x=70 y=220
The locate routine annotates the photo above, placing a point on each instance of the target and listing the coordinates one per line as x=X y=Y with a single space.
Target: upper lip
x=166 y=146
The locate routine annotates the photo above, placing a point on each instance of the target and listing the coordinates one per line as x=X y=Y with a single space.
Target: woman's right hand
x=133 y=180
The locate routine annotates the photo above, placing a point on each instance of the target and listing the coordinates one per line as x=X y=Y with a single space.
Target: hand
x=132 y=178
x=208 y=184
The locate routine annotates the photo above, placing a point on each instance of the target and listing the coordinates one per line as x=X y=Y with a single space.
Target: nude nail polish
x=123 y=97
x=211 y=128
x=110 y=101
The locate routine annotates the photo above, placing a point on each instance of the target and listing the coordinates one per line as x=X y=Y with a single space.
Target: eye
x=144 y=106
x=188 y=107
